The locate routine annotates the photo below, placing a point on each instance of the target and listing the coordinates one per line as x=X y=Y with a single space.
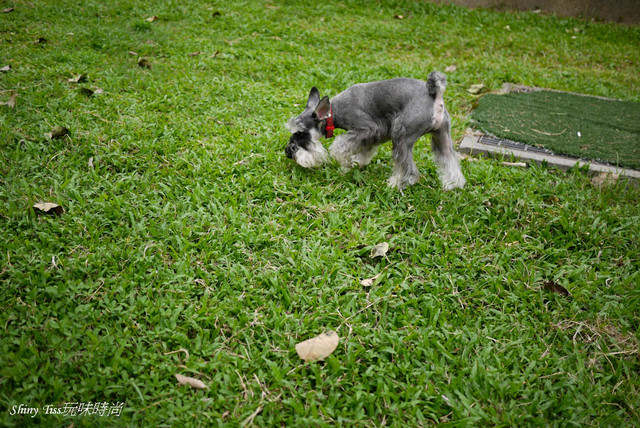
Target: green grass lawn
x=186 y=228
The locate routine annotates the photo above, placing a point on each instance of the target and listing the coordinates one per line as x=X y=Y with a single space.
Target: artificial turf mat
x=576 y=125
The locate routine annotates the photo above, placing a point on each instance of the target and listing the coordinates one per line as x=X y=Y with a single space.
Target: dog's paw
x=396 y=182
x=455 y=181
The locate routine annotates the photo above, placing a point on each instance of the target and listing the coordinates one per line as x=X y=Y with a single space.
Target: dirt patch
x=619 y=11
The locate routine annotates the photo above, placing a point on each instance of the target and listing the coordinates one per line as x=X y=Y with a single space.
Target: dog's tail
x=436 y=83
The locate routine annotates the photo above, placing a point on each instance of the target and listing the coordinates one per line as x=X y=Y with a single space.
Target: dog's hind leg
x=446 y=157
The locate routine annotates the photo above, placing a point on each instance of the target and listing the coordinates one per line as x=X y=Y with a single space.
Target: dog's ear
x=322 y=110
x=314 y=98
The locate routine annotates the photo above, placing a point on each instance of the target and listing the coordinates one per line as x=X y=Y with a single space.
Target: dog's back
x=384 y=96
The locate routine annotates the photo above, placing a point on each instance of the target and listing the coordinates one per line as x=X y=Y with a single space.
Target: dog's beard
x=314 y=155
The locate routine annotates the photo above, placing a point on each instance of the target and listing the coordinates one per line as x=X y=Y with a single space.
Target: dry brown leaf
x=368 y=282
x=48 y=208
x=550 y=200
x=98 y=91
x=319 y=347
x=144 y=63
x=5 y=68
x=516 y=164
x=467 y=158
x=556 y=288
x=13 y=95
x=398 y=16
x=194 y=53
x=78 y=79
x=194 y=383
x=58 y=132
x=476 y=89
x=604 y=179
x=451 y=68
x=7 y=10
x=380 y=250
x=151 y=18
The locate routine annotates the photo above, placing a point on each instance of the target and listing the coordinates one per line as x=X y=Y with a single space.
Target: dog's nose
x=290 y=150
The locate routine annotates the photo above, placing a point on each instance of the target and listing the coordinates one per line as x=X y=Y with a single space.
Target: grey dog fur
x=401 y=110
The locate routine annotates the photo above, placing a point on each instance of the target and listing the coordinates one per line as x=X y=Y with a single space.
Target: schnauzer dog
x=401 y=110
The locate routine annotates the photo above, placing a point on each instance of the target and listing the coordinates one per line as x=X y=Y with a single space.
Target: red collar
x=330 y=127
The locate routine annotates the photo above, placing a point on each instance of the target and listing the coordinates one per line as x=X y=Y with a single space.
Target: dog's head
x=304 y=146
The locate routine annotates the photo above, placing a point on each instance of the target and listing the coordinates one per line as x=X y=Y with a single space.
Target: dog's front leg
x=345 y=149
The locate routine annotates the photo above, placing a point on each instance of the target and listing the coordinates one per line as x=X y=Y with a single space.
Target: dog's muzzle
x=290 y=150
x=298 y=140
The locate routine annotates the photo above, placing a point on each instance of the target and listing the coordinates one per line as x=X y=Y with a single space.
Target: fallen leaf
x=59 y=132
x=451 y=68
x=368 y=282
x=86 y=91
x=467 y=158
x=144 y=63
x=48 y=208
x=13 y=95
x=604 y=179
x=380 y=250
x=132 y=53
x=215 y=54
x=9 y=9
x=319 y=347
x=98 y=91
x=78 y=79
x=194 y=383
x=194 y=53
x=476 y=89
x=5 y=68
x=550 y=200
x=398 y=16
x=516 y=164
x=151 y=18
x=556 y=288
